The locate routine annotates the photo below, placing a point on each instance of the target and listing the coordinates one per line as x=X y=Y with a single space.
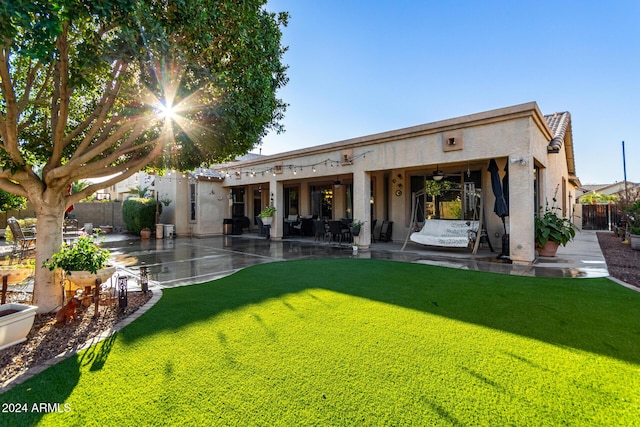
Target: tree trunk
x=47 y=291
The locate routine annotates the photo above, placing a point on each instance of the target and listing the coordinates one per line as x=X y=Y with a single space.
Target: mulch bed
x=48 y=339
x=623 y=262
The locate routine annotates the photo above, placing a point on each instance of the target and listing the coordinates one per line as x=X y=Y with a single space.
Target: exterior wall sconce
x=521 y=161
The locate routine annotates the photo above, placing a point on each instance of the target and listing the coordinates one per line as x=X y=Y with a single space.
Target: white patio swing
x=451 y=232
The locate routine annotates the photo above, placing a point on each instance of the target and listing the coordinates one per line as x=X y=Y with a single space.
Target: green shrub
x=139 y=213
x=24 y=223
x=82 y=255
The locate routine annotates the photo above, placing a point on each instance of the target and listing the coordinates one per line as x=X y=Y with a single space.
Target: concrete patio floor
x=184 y=260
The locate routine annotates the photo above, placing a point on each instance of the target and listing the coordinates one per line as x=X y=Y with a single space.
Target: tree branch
x=63 y=91
x=31 y=76
x=9 y=124
x=12 y=187
x=123 y=172
x=101 y=110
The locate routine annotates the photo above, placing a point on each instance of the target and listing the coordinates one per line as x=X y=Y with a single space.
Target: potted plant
x=83 y=261
x=267 y=215
x=633 y=221
x=355 y=227
x=552 y=230
x=145 y=233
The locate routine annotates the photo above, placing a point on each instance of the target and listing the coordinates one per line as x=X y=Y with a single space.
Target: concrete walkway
x=183 y=261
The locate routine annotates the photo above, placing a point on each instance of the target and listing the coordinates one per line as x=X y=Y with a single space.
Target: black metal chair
x=385 y=231
x=24 y=240
x=339 y=231
x=71 y=230
x=319 y=230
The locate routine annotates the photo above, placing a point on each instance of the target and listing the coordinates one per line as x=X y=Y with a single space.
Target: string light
x=331 y=163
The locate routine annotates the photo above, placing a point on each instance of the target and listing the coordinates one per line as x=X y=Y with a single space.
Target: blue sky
x=361 y=67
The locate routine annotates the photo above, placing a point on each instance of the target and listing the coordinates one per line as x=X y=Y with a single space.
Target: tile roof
x=559 y=123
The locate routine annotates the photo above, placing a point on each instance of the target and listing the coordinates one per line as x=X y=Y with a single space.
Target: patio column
x=276 y=195
x=521 y=213
x=362 y=205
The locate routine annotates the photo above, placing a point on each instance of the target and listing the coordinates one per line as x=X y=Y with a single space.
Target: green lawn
x=359 y=342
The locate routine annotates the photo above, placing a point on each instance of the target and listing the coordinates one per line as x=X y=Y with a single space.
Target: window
x=322 y=201
x=536 y=190
x=192 y=202
x=238 y=197
x=291 y=201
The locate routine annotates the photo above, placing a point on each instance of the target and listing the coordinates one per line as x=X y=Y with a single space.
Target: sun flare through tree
x=93 y=88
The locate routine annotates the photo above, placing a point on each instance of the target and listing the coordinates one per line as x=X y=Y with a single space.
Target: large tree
x=93 y=88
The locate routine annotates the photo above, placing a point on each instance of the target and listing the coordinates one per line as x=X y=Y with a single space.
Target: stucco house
x=374 y=178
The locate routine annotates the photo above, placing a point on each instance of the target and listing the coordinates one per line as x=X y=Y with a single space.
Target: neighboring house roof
x=249 y=156
x=214 y=172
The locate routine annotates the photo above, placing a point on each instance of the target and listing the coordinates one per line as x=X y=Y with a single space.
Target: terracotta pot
x=548 y=250
x=145 y=234
x=106 y=229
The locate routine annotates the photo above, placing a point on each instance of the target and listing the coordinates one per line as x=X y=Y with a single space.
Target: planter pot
x=354 y=231
x=549 y=250
x=145 y=234
x=355 y=248
x=267 y=220
x=106 y=229
x=16 y=321
x=634 y=241
x=80 y=279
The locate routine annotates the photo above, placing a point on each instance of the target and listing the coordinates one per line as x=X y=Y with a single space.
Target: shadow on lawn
x=593 y=315
x=64 y=375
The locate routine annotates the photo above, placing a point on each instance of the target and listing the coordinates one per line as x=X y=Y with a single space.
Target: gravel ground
x=622 y=261
x=48 y=339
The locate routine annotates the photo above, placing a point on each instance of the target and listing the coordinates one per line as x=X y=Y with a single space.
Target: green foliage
x=550 y=225
x=598 y=198
x=436 y=188
x=78 y=186
x=633 y=217
x=370 y=343
x=267 y=212
x=140 y=191
x=25 y=223
x=11 y=202
x=356 y=224
x=223 y=56
x=82 y=255
x=139 y=213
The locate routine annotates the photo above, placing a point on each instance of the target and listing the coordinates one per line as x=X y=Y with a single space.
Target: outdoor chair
x=293 y=221
x=339 y=231
x=320 y=230
x=24 y=240
x=385 y=231
x=261 y=230
x=70 y=230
